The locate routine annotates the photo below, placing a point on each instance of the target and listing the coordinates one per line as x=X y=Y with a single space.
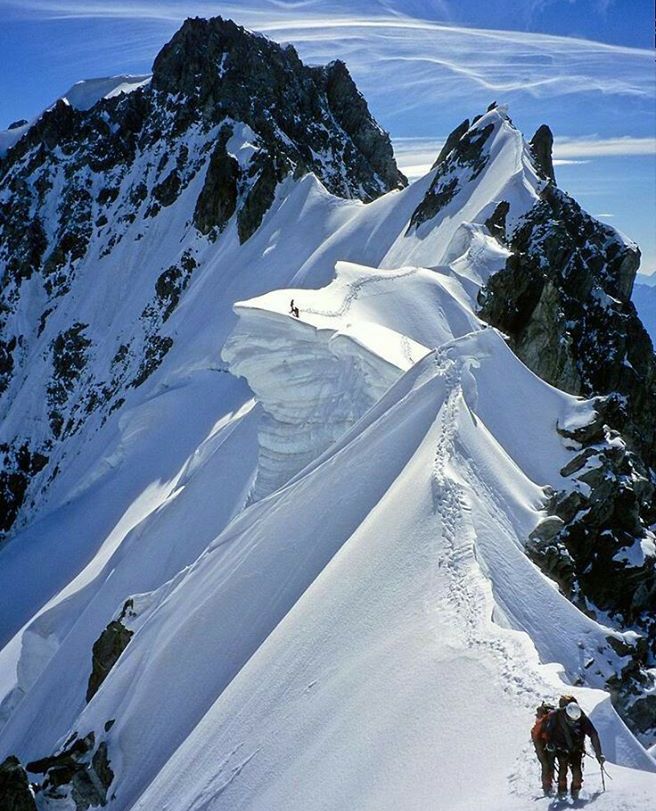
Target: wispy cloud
x=594 y=147
x=415 y=156
x=427 y=53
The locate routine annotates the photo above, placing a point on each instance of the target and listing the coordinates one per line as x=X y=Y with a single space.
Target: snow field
x=335 y=610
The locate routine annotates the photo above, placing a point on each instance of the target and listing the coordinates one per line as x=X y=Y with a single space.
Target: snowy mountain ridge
x=264 y=561
x=97 y=187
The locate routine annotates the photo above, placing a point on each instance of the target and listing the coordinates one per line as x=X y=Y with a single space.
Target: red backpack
x=539 y=730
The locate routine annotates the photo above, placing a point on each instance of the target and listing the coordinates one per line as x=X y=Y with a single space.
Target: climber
x=538 y=736
x=566 y=729
x=293 y=310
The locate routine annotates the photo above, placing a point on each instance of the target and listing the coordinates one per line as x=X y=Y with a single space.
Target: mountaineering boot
x=575 y=793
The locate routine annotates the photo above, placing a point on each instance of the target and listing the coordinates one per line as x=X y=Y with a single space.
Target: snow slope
x=333 y=605
x=374 y=686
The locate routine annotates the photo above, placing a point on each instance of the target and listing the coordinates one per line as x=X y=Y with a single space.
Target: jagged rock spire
x=542 y=146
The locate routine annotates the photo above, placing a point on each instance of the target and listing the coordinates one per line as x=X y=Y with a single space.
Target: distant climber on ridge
x=293 y=310
x=565 y=732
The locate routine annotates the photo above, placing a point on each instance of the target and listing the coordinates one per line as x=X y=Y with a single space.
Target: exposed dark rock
x=595 y=544
x=7 y=349
x=451 y=142
x=166 y=192
x=107 y=650
x=462 y=158
x=171 y=284
x=298 y=112
x=496 y=222
x=563 y=299
x=547 y=529
x=350 y=111
x=69 y=353
x=77 y=772
x=590 y=432
x=15 y=791
x=69 y=358
x=101 y=765
x=632 y=689
x=19 y=465
x=542 y=147
x=155 y=351
x=23 y=235
x=16 y=124
x=66 y=759
x=218 y=199
x=258 y=200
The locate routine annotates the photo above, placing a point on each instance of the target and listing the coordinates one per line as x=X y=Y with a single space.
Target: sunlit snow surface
x=335 y=610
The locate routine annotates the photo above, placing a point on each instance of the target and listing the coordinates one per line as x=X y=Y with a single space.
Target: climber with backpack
x=565 y=731
x=547 y=758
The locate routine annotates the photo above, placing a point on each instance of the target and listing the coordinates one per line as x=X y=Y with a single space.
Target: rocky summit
x=226 y=117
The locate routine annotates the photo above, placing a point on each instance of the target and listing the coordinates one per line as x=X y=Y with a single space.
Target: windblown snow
x=321 y=521
x=83 y=95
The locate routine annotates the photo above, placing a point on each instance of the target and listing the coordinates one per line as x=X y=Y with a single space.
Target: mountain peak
x=204 y=51
x=308 y=118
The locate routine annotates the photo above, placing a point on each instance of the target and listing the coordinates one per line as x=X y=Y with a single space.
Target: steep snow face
x=491 y=164
x=316 y=374
x=373 y=618
x=113 y=199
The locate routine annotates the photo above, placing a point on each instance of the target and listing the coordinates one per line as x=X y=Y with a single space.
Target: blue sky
x=585 y=67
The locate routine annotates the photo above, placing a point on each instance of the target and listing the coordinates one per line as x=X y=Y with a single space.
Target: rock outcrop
x=305 y=118
x=80 y=773
x=542 y=147
x=564 y=301
x=596 y=543
x=462 y=159
x=15 y=791
x=107 y=650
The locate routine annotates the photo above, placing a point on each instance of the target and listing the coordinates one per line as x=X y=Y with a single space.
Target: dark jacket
x=566 y=735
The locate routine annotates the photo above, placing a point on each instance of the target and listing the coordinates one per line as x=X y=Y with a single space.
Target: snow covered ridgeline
x=316 y=375
x=243 y=604
x=410 y=566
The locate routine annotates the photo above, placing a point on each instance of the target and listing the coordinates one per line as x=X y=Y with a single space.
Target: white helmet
x=573 y=711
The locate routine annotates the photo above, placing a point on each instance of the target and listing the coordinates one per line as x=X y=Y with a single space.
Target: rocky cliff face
x=564 y=301
x=15 y=791
x=226 y=117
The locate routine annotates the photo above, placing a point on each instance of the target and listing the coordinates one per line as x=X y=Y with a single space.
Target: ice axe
x=604 y=773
